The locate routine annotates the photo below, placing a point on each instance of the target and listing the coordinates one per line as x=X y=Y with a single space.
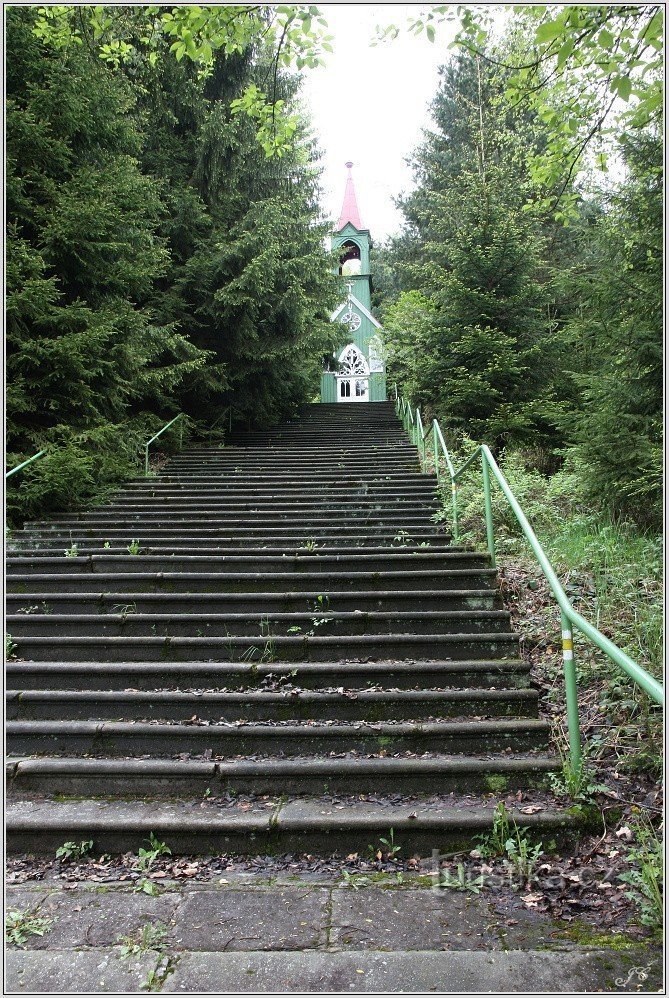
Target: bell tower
x=357 y=370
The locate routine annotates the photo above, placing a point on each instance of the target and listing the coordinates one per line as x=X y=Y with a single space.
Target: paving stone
x=67 y=972
x=401 y=919
x=427 y=972
x=85 y=918
x=285 y=918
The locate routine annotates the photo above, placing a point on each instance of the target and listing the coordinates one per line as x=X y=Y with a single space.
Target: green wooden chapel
x=356 y=371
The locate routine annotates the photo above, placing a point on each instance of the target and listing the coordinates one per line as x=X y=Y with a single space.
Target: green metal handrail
x=159 y=434
x=24 y=464
x=570 y=618
x=226 y=412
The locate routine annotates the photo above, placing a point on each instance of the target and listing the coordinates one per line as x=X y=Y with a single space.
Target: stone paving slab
x=71 y=972
x=411 y=920
x=580 y=971
x=280 y=919
x=85 y=918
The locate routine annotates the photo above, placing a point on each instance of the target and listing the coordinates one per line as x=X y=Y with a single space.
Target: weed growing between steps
x=612 y=572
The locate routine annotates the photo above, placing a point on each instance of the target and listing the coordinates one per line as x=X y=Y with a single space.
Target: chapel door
x=353 y=390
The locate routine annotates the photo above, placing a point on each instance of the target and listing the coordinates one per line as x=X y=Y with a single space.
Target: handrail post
x=146 y=459
x=436 y=452
x=454 y=504
x=489 y=527
x=571 y=694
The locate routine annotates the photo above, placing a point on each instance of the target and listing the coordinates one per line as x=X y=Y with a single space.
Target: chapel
x=356 y=371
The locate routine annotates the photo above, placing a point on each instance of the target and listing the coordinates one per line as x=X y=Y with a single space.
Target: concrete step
x=48 y=547
x=324 y=452
x=239 y=494
x=386 y=519
x=374 y=533
x=295 y=561
x=278 y=462
x=440 y=774
x=117 y=541
x=309 y=442
x=307 y=479
x=267 y=602
x=130 y=623
x=263 y=705
x=265 y=648
x=285 y=489
x=271 y=504
x=132 y=738
x=248 y=582
x=408 y=675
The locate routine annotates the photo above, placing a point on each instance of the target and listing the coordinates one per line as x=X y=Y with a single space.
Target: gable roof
x=358 y=304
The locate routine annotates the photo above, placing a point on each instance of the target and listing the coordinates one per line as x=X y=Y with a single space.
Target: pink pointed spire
x=349 y=209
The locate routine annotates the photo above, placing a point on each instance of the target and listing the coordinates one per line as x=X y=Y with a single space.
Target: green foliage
x=507 y=840
x=587 y=72
x=10 y=647
x=493 y=843
x=127 y=37
x=467 y=335
x=611 y=569
x=461 y=882
x=146 y=886
x=521 y=855
x=615 y=344
x=646 y=877
x=74 y=850
x=20 y=925
x=157 y=259
x=151 y=937
x=509 y=327
x=147 y=857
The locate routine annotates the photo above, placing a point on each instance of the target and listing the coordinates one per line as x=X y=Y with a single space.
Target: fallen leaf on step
x=532 y=900
x=532 y=809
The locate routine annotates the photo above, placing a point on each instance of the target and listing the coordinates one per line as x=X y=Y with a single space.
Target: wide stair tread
x=307 y=823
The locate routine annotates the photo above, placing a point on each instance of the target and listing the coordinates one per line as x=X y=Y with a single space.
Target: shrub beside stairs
x=281 y=618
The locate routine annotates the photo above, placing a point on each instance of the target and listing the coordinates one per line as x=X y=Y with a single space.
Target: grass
x=611 y=571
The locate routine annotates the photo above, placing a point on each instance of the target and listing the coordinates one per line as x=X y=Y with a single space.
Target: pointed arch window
x=352 y=361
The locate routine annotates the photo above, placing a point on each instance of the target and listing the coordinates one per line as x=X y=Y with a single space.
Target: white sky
x=374 y=116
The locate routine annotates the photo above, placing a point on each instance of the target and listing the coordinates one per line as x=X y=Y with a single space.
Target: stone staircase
x=279 y=622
